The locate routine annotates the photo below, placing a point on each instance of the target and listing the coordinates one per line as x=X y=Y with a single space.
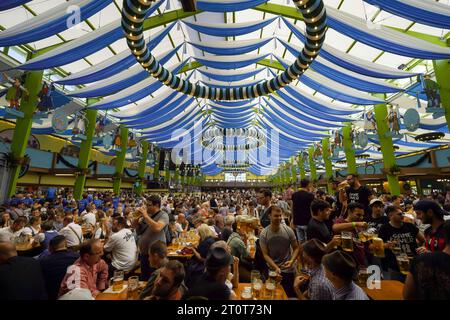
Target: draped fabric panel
x=134 y=93
x=427 y=12
x=227 y=5
x=148 y=107
x=113 y=65
x=50 y=22
x=227 y=48
x=346 y=77
x=9 y=4
x=332 y=88
x=230 y=62
x=228 y=29
x=230 y=76
x=350 y=62
x=384 y=38
x=79 y=47
x=222 y=85
x=121 y=80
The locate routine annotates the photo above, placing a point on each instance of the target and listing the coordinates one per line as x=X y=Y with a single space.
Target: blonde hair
x=204 y=231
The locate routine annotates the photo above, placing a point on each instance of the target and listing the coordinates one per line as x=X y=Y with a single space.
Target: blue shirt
x=28 y=201
x=98 y=203
x=51 y=192
x=82 y=204
x=350 y=292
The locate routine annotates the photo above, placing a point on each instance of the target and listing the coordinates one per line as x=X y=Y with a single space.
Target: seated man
x=72 y=232
x=54 y=265
x=211 y=284
x=89 y=271
x=9 y=233
x=122 y=246
x=341 y=269
x=20 y=277
x=157 y=258
x=319 y=287
x=168 y=283
x=238 y=249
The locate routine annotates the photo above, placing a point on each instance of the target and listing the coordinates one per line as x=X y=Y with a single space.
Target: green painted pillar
x=301 y=167
x=142 y=166
x=387 y=147
x=293 y=171
x=327 y=161
x=348 y=149
x=85 y=152
x=176 y=176
x=120 y=158
x=33 y=84
x=312 y=164
x=442 y=71
x=156 y=167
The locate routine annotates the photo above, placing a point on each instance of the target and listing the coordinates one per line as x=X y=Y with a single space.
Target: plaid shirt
x=350 y=292
x=320 y=288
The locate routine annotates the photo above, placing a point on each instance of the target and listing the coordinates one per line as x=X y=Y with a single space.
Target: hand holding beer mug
x=347 y=241
x=378 y=247
x=403 y=263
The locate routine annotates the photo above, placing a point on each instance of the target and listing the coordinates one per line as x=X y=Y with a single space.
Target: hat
x=375 y=200
x=340 y=263
x=218 y=258
x=425 y=205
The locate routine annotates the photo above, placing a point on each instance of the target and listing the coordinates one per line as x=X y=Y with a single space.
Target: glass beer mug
x=378 y=247
x=347 y=241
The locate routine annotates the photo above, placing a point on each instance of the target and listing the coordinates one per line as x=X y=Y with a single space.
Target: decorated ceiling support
x=120 y=159
x=312 y=164
x=28 y=104
x=327 y=161
x=293 y=171
x=314 y=15
x=442 y=71
x=142 y=166
x=85 y=152
x=301 y=166
x=349 y=148
x=387 y=146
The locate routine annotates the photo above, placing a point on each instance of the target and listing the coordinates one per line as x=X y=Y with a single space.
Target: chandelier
x=314 y=16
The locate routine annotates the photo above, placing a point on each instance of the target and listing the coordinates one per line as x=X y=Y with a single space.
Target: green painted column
x=120 y=158
x=387 y=147
x=176 y=176
x=156 y=167
x=327 y=162
x=348 y=149
x=85 y=152
x=142 y=166
x=301 y=167
x=33 y=84
x=312 y=164
x=442 y=71
x=293 y=171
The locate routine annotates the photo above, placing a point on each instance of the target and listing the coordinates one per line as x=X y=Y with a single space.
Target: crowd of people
x=76 y=247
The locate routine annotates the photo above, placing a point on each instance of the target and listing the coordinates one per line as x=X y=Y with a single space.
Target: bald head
x=7 y=251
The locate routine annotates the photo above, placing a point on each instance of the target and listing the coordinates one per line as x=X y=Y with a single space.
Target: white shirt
x=123 y=247
x=31 y=231
x=71 y=237
x=89 y=218
x=6 y=234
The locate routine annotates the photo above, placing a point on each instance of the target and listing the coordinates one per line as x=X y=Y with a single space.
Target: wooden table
x=172 y=253
x=118 y=296
x=280 y=294
x=390 y=290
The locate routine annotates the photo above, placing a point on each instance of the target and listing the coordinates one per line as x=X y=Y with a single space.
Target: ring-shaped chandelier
x=314 y=16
